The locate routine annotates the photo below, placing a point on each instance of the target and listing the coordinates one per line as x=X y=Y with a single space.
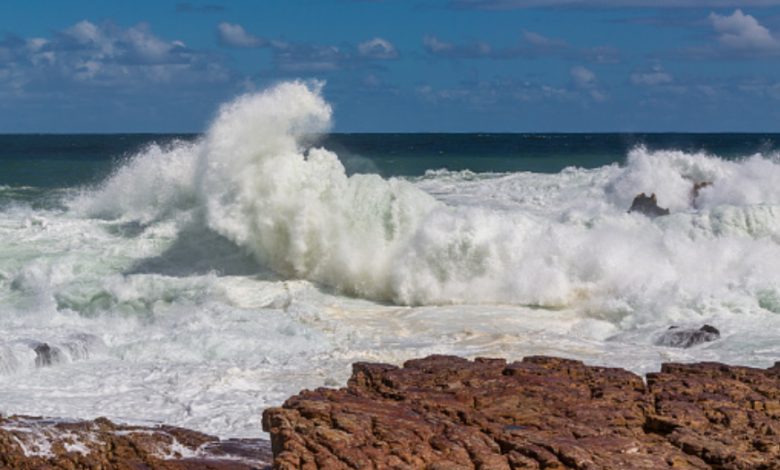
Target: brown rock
x=37 y=443
x=445 y=412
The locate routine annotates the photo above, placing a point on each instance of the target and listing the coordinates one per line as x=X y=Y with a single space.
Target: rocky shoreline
x=39 y=443
x=445 y=412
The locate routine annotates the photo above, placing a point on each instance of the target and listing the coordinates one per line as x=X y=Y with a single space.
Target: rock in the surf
x=28 y=443
x=647 y=205
x=46 y=355
x=677 y=337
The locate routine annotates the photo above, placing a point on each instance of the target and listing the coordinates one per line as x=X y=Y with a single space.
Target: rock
x=647 y=205
x=444 y=412
x=38 y=443
x=677 y=337
x=46 y=355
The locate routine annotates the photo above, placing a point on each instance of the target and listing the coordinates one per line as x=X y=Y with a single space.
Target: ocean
x=195 y=280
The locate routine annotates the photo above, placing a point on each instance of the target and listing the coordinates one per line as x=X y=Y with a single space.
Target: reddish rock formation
x=444 y=412
x=36 y=443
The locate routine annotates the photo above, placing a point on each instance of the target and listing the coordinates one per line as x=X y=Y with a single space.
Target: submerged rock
x=46 y=355
x=37 y=443
x=647 y=205
x=677 y=337
x=542 y=412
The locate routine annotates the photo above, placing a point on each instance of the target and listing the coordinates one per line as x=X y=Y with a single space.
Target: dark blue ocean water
x=61 y=161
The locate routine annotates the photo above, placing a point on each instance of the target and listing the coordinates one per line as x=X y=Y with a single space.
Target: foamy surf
x=203 y=281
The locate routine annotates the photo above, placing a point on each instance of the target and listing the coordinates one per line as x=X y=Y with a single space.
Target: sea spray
x=296 y=209
x=552 y=241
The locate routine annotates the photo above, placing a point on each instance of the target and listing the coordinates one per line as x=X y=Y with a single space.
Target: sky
x=395 y=66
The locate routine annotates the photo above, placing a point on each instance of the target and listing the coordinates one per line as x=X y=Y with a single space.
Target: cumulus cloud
x=742 y=32
x=103 y=54
x=234 y=35
x=519 y=4
x=377 y=48
x=296 y=57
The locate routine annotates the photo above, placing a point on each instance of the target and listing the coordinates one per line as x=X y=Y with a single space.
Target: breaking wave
x=553 y=241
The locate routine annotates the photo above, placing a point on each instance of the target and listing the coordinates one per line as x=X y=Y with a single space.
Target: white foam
x=155 y=286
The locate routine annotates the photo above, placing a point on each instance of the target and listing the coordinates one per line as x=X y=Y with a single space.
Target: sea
x=197 y=279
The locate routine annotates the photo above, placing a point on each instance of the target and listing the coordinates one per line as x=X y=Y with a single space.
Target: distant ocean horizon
x=388 y=154
x=196 y=279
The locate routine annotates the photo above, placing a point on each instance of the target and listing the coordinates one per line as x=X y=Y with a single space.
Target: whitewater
x=206 y=280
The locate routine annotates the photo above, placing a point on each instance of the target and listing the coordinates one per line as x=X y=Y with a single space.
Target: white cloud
x=234 y=35
x=105 y=55
x=85 y=32
x=583 y=77
x=538 y=40
x=654 y=77
x=377 y=48
x=743 y=32
x=435 y=45
x=586 y=80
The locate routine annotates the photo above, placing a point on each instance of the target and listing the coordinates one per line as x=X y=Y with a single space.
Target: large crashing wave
x=292 y=207
x=547 y=240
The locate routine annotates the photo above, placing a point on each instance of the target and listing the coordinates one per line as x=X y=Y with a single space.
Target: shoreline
x=441 y=411
x=34 y=442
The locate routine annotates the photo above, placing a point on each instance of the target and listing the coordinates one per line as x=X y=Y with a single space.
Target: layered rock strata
x=445 y=412
x=36 y=443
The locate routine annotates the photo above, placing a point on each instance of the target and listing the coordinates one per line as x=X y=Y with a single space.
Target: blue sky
x=396 y=66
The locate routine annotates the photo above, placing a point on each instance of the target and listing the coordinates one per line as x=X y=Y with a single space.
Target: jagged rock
x=677 y=337
x=37 y=443
x=647 y=205
x=444 y=412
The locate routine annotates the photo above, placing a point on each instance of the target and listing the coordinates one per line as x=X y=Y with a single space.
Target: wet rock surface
x=647 y=205
x=677 y=337
x=445 y=412
x=37 y=443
